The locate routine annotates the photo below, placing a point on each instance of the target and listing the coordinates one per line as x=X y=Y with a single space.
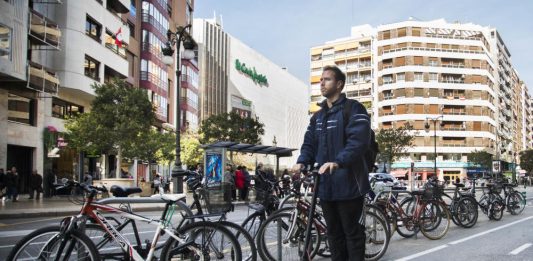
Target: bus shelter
x=215 y=156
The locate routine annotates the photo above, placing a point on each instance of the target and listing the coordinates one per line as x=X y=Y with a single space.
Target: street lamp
x=181 y=36
x=434 y=136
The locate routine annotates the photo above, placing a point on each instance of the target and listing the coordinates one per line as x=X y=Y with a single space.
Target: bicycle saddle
x=257 y=207
x=121 y=192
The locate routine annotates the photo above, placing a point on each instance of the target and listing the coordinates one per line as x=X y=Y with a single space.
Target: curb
x=63 y=213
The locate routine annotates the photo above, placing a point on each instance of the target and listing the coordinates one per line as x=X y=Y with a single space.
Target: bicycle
x=514 y=200
x=282 y=235
x=192 y=241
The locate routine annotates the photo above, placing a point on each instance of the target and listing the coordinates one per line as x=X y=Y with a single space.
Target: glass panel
x=5 y=42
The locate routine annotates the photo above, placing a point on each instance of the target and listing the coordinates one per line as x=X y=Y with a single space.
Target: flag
x=118 y=37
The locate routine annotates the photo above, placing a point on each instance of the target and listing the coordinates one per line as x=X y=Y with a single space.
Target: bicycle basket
x=216 y=199
x=433 y=190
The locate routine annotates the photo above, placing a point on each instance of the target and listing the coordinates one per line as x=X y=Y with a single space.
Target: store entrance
x=451 y=176
x=21 y=158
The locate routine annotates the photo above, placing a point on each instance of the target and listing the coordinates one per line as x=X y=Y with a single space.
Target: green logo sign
x=257 y=78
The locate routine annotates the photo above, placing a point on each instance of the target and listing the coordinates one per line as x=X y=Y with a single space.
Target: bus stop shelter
x=223 y=146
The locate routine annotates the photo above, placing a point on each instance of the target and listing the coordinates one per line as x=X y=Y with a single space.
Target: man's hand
x=298 y=167
x=328 y=168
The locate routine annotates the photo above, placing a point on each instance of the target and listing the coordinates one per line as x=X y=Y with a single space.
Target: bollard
x=524 y=195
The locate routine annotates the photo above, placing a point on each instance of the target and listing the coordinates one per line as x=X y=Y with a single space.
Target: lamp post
x=434 y=120
x=180 y=36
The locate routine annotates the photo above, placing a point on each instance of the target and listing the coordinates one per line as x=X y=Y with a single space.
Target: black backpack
x=373 y=149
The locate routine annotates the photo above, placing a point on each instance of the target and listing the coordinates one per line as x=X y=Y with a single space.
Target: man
x=2 y=183
x=12 y=182
x=339 y=149
x=247 y=181
x=36 y=185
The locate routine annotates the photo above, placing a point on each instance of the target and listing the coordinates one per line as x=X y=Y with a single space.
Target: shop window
x=63 y=109
x=92 y=68
x=93 y=29
x=21 y=109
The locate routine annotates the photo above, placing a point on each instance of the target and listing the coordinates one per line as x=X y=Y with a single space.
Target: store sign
x=251 y=72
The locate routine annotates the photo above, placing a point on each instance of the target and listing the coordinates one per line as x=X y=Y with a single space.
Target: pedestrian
x=247 y=183
x=36 y=185
x=156 y=183
x=339 y=148
x=200 y=168
x=88 y=179
x=229 y=183
x=51 y=180
x=12 y=182
x=2 y=183
x=239 y=181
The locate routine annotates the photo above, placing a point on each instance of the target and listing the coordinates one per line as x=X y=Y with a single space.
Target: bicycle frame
x=95 y=211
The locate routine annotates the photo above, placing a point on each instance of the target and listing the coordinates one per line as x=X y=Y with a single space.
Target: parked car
x=384 y=177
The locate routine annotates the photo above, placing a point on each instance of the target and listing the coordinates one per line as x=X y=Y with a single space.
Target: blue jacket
x=325 y=141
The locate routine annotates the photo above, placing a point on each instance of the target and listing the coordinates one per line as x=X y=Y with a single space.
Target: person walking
x=229 y=182
x=36 y=185
x=2 y=183
x=156 y=183
x=339 y=148
x=12 y=182
x=247 y=183
x=239 y=181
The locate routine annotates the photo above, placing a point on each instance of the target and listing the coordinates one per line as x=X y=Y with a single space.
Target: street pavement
x=508 y=239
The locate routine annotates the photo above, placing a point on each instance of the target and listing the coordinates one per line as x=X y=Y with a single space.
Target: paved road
x=509 y=239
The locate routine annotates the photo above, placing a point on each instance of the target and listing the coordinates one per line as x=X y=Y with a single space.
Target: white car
x=384 y=177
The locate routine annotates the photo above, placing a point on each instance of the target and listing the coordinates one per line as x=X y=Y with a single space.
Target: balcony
x=42 y=79
x=43 y=31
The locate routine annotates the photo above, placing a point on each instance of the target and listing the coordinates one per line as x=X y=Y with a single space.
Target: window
x=93 y=29
x=21 y=109
x=5 y=42
x=433 y=77
x=400 y=77
x=419 y=76
x=132 y=29
x=62 y=109
x=92 y=68
x=419 y=60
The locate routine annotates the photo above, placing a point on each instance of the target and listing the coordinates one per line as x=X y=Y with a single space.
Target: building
x=51 y=54
x=353 y=55
x=237 y=78
x=459 y=75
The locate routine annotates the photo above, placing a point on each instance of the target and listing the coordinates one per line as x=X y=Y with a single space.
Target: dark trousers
x=346 y=231
x=36 y=191
x=12 y=192
x=244 y=193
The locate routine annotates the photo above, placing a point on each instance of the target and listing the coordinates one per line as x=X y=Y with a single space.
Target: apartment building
x=52 y=52
x=353 y=55
x=459 y=75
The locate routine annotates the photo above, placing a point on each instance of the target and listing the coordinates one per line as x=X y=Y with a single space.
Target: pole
x=435 y=146
x=177 y=171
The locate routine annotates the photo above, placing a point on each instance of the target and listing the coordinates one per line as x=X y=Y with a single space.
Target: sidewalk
x=62 y=206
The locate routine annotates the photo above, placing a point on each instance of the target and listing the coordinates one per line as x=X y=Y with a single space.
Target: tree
x=526 y=161
x=119 y=120
x=231 y=127
x=394 y=142
x=191 y=152
x=481 y=158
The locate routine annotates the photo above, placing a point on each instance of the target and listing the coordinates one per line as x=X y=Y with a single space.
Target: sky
x=285 y=30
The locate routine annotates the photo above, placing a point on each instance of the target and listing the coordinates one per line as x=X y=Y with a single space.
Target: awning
x=250 y=148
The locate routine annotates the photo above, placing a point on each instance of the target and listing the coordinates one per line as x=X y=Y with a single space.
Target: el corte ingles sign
x=251 y=72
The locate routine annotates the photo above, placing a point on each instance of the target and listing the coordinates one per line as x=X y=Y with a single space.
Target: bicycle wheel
x=496 y=209
x=248 y=248
x=377 y=238
x=452 y=206
x=278 y=239
x=404 y=223
x=202 y=240
x=49 y=243
x=380 y=213
x=287 y=201
x=516 y=203
x=252 y=223
x=466 y=212
x=434 y=220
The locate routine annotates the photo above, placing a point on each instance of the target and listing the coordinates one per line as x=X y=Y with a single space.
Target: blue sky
x=283 y=31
